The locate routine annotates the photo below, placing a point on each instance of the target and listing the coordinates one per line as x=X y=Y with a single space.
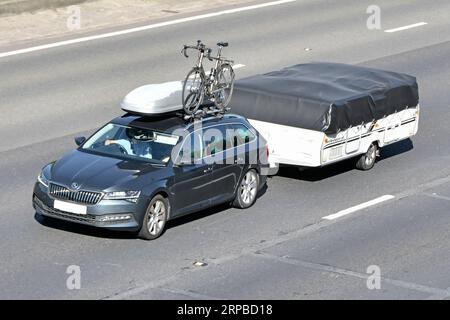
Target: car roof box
x=154 y=99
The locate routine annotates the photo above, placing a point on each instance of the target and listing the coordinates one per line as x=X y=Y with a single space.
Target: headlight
x=42 y=179
x=131 y=196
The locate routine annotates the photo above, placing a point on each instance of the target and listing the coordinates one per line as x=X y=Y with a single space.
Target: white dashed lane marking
x=359 y=207
x=410 y=26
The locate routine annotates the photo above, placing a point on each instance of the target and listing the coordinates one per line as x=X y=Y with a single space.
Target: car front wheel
x=247 y=190
x=155 y=218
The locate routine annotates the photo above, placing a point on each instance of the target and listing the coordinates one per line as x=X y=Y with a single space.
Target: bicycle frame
x=212 y=77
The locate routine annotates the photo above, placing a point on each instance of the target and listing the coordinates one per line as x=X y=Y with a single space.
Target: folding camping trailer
x=320 y=113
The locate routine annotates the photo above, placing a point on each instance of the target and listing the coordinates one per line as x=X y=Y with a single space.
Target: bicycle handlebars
x=202 y=48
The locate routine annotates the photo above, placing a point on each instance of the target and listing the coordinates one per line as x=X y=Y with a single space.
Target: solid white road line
x=359 y=207
x=419 y=24
x=142 y=28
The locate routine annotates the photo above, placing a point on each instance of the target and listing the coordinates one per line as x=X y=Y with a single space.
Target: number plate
x=70 y=207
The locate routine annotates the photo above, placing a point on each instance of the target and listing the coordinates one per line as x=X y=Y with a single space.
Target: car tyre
x=247 y=190
x=155 y=218
x=367 y=160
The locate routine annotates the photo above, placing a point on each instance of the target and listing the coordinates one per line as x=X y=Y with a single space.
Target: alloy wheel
x=248 y=188
x=371 y=154
x=156 y=217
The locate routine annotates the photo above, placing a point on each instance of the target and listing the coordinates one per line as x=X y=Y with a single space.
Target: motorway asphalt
x=281 y=248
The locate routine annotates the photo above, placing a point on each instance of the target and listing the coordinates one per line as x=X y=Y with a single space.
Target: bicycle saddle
x=223 y=44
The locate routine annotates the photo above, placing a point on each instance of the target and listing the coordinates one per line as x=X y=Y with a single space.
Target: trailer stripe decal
x=365 y=134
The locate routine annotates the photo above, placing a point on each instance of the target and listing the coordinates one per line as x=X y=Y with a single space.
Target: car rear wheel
x=247 y=190
x=367 y=160
x=155 y=218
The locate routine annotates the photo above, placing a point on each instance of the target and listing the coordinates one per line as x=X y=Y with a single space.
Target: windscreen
x=132 y=142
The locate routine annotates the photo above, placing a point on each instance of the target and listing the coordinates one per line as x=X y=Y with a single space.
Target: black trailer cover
x=324 y=97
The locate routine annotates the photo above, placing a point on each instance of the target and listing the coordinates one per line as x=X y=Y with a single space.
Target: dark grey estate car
x=136 y=173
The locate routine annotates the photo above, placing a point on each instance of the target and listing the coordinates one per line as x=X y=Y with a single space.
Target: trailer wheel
x=367 y=160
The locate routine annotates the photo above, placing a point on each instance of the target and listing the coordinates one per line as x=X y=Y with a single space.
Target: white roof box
x=154 y=99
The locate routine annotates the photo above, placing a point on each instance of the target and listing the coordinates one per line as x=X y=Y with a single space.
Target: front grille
x=64 y=215
x=81 y=196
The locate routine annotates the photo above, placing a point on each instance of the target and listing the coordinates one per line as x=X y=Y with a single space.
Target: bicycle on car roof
x=216 y=86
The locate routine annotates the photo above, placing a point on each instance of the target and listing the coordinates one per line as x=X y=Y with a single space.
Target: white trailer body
x=310 y=148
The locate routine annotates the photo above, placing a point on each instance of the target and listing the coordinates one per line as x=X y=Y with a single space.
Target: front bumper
x=43 y=204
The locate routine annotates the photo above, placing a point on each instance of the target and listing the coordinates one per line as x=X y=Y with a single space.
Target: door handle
x=207 y=170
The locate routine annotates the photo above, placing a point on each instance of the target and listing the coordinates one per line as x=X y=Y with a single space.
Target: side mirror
x=80 y=140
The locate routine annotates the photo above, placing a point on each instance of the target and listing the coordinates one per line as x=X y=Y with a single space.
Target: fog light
x=115 y=217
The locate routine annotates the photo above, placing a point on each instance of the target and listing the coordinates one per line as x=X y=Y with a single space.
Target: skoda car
x=137 y=172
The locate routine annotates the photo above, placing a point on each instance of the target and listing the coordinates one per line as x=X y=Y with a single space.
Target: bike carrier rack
x=204 y=110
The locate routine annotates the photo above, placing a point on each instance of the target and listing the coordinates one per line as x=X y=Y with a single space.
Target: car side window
x=214 y=139
x=192 y=148
x=241 y=135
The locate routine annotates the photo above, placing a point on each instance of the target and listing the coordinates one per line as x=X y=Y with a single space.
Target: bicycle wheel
x=193 y=91
x=224 y=86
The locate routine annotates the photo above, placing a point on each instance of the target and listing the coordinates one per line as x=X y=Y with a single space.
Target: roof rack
x=164 y=98
x=206 y=109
